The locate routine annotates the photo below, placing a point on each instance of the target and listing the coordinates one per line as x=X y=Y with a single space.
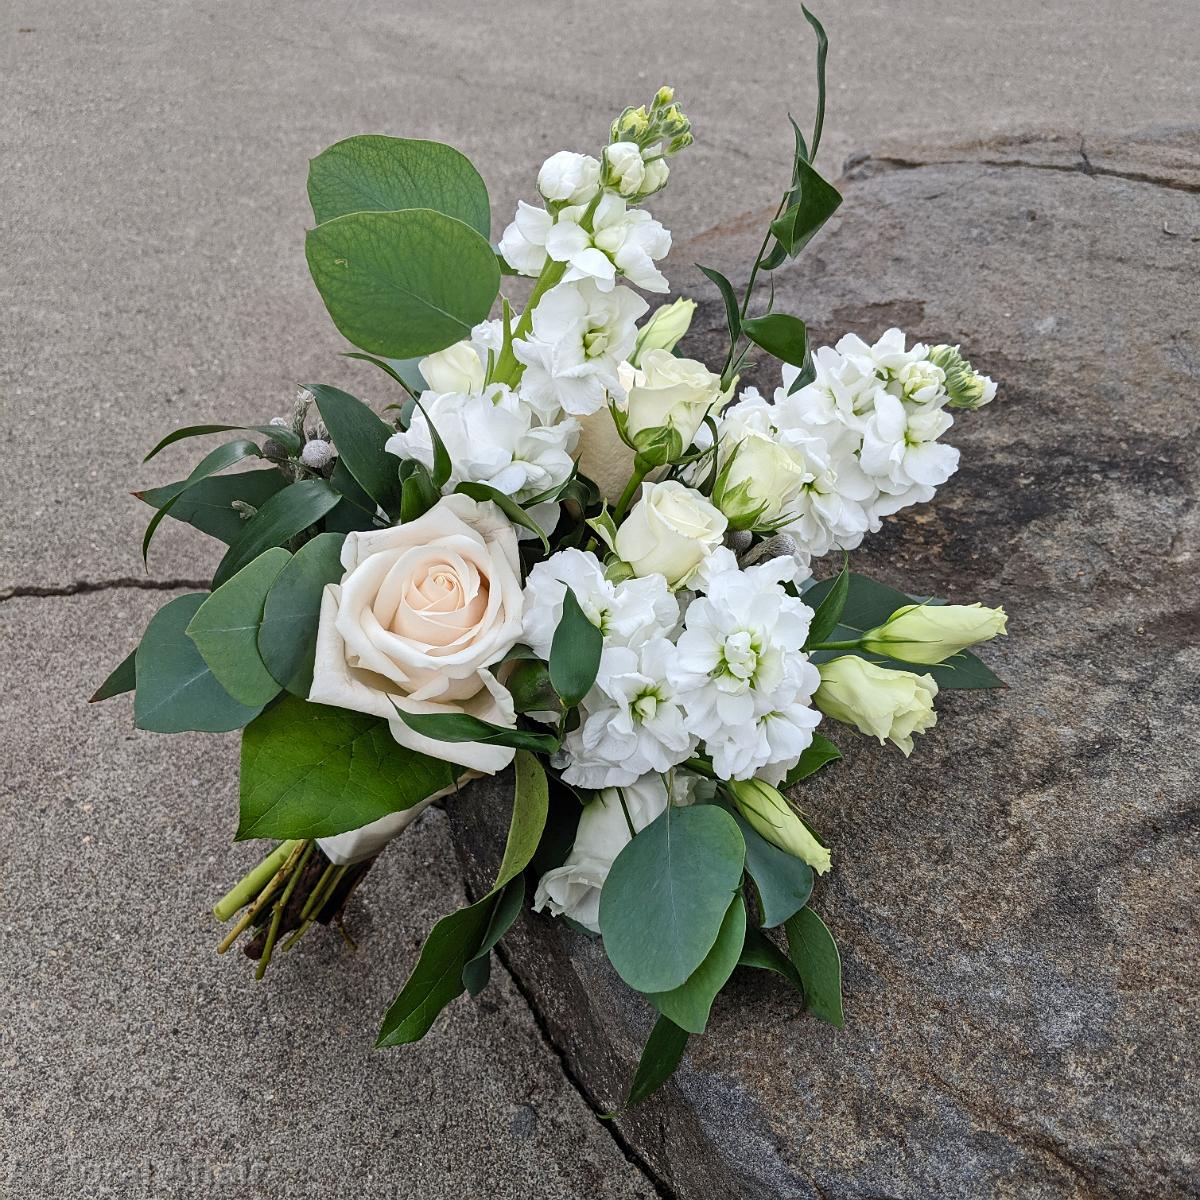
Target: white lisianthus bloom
x=885 y=704
x=632 y=722
x=570 y=177
x=422 y=613
x=669 y=393
x=579 y=337
x=626 y=170
x=628 y=613
x=524 y=242
x=900 y=451
x=671 y=531
x=492 y=437
x=772 y=817
x=573 y=890
x=738 y=661
x=932 y=633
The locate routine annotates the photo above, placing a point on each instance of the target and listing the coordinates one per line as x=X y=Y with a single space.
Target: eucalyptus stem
x=253 y=882
x=277 y=915
x=264 y=896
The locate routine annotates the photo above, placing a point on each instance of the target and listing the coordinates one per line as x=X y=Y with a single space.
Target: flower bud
x=631 y=125
x=889 y=705
x=759 y=481
x=568 y=177
x=316 y=454
x=931 y=633
x=456 y=369
x=626 y=170
x=668 y=323
x=769 y=814
x=967 y=388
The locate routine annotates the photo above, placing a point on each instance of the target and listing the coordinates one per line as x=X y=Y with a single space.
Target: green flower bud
x=932 y=633
x=769 y=814
x=966 y=387
x=666 y=326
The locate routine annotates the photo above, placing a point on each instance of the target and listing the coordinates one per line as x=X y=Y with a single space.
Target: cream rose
x=422 y=612
x=671 y=530
x=670 y=392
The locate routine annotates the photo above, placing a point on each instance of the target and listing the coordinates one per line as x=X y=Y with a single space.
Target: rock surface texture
x=1016 y=904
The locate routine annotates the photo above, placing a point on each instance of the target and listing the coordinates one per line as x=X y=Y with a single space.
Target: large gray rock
x=1016 y=903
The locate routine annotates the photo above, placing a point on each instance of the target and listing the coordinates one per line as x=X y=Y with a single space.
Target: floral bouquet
x=567 y=549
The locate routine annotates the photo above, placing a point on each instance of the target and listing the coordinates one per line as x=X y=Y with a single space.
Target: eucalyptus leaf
x=667 y=894
x=761 y=953
x=360 y=437
x=405 y=371
x=312 y=771
x=784 y=882
x=402 y=284
x=376 y=173
x=225 y=630
x=122 y=678
x=176 y=690
x=689 y=1004
x=815 y=956
x=282 y=517
x=287 y=634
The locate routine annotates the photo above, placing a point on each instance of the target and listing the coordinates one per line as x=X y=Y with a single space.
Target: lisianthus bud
x=456 y=369
x=668 y=323
x=772 y=817
x=931 y=633
x=671 y=531
x=669 y=393
x=759 y=481
x=569 y=177
x=967 y=388
x=888 y=705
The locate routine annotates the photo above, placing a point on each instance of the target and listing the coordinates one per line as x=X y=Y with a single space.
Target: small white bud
x=317 y=454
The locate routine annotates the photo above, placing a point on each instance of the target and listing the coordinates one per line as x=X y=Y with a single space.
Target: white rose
x=422 y=612
x=573 y=890
x=671 y=530
x=676 y=393
x=760 y=481
x=626 y=170
x=456 y=369
x=568 y=176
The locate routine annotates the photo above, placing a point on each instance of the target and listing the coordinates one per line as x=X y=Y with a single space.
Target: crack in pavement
x=80 y=587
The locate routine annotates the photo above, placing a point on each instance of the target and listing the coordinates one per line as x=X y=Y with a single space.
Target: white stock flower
x=573 y=890
x=570 y=177
x=579 y=337
x=632 y=721
x=492 y=437
x=524 y=242
x=421 y=614
x=627 y=613
x=745 y=684
x=626 y=170
x=901 y=454
x=634 y=240
x=671 y=531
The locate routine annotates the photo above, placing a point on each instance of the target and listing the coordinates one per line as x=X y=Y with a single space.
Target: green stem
x=508 y=369
x=253 y=882
x=700 y=767
x=635 y=482
x=248 y=917
x=854 y=645
x=277 y=915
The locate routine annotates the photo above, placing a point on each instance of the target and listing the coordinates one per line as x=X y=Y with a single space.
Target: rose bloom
x=665 y=391
x=422 y=612
x=671 y=530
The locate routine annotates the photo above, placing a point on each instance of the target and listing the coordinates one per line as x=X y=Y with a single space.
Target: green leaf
x=689 y=1004
x=217 y=460
x=660 y=1056
x=311 y=771
x=360 y=437
x=442 y=466
x=784 y=882
x=355 y=510
x=529 y=685
x=284 y=515
x=870 y=603
x=287 y=635
x=574 y=652
x=815 y=956
x=667 y=894
x=507 y=505
x=375 y=173
x=458 y=939
x=418 y=494
x=821 y=752
x=405 y=371
x=829 y=612
x=478 y=971
x=812 y=202
x=176 y=691
x=822 y=53
x=732 y=317
x=208 y=505
x=281 y=433
x=779 y=334
x=123 y=678
x=225 y=630
x=762 y=954
x=462 y=727
x=401 y=284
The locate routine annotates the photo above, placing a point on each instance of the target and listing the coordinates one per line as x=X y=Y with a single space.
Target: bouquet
x=569 y=549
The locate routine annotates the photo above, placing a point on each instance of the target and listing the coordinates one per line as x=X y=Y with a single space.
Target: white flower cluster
x=729 y=679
